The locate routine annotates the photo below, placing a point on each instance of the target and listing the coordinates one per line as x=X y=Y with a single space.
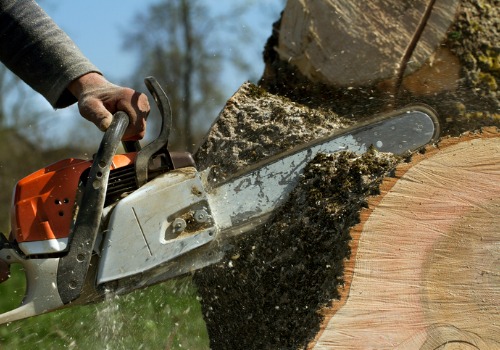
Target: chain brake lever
x=161 y=142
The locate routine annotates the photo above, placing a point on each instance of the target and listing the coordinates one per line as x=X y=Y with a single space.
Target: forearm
x=39 y=52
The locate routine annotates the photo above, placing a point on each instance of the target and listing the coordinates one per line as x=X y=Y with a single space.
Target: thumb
x=94 y=111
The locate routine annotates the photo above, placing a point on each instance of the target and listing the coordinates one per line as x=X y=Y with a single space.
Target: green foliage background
x=166 y=316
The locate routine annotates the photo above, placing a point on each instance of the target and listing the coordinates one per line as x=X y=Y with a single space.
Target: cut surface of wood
x=425 y=266
x=345 y=43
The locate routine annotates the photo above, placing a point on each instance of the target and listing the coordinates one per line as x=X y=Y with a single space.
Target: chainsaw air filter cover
x=45 y=203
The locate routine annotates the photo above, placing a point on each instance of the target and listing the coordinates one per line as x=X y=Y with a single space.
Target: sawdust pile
x=255 y=125
x=273 y=282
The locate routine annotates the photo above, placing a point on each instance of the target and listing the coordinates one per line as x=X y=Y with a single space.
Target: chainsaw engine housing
x=45 y=203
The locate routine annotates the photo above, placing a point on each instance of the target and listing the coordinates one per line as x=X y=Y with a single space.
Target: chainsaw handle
x=41 y=292
x=73 y=267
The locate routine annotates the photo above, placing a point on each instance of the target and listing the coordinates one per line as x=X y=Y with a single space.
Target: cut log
x=353 y=43
x=424 y=271
x=421 y=270
x=356 y=58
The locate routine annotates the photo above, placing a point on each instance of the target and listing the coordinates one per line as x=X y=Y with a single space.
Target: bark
x=291 y=283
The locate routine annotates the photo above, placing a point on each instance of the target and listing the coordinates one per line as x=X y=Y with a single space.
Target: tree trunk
x=419 y=271
x=424 y=269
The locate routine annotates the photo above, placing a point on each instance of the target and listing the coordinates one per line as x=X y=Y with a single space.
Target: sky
x=97 y=27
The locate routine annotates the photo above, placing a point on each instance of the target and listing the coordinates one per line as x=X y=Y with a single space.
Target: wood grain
x=352 y=43
x=424 y=273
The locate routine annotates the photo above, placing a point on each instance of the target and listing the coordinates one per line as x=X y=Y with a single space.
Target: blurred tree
x=24 y=139
x=14 y=96
x=13 y=146
x=178 y=42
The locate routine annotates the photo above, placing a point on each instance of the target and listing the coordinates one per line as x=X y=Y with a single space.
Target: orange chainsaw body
x=44 y=202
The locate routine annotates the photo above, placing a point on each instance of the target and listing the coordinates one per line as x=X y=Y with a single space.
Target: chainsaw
x=120 y=222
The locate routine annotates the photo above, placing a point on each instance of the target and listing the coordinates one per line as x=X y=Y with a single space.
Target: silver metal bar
x=238 y=203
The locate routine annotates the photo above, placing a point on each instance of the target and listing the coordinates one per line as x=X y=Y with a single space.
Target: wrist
x=86 y=82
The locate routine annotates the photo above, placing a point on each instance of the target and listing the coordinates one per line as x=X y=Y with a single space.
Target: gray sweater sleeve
x=39 y=52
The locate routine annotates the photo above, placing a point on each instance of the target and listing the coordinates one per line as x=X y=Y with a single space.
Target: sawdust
x=255 y=125
x=272 y=283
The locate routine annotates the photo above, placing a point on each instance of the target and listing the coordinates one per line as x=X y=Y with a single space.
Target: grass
x=165 y=316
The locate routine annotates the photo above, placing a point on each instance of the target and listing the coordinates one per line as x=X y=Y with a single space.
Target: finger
x=136 y=105
x=94 y=111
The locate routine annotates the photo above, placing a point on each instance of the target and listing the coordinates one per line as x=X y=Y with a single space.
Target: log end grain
x=424 y=266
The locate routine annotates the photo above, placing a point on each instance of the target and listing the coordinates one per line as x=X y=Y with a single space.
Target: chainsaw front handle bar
x=73 y=267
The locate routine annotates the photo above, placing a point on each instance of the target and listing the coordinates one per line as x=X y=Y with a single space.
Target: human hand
x=98 y=100
x=4 y=271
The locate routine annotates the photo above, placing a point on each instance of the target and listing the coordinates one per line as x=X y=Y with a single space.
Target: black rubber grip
x=73 y=267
